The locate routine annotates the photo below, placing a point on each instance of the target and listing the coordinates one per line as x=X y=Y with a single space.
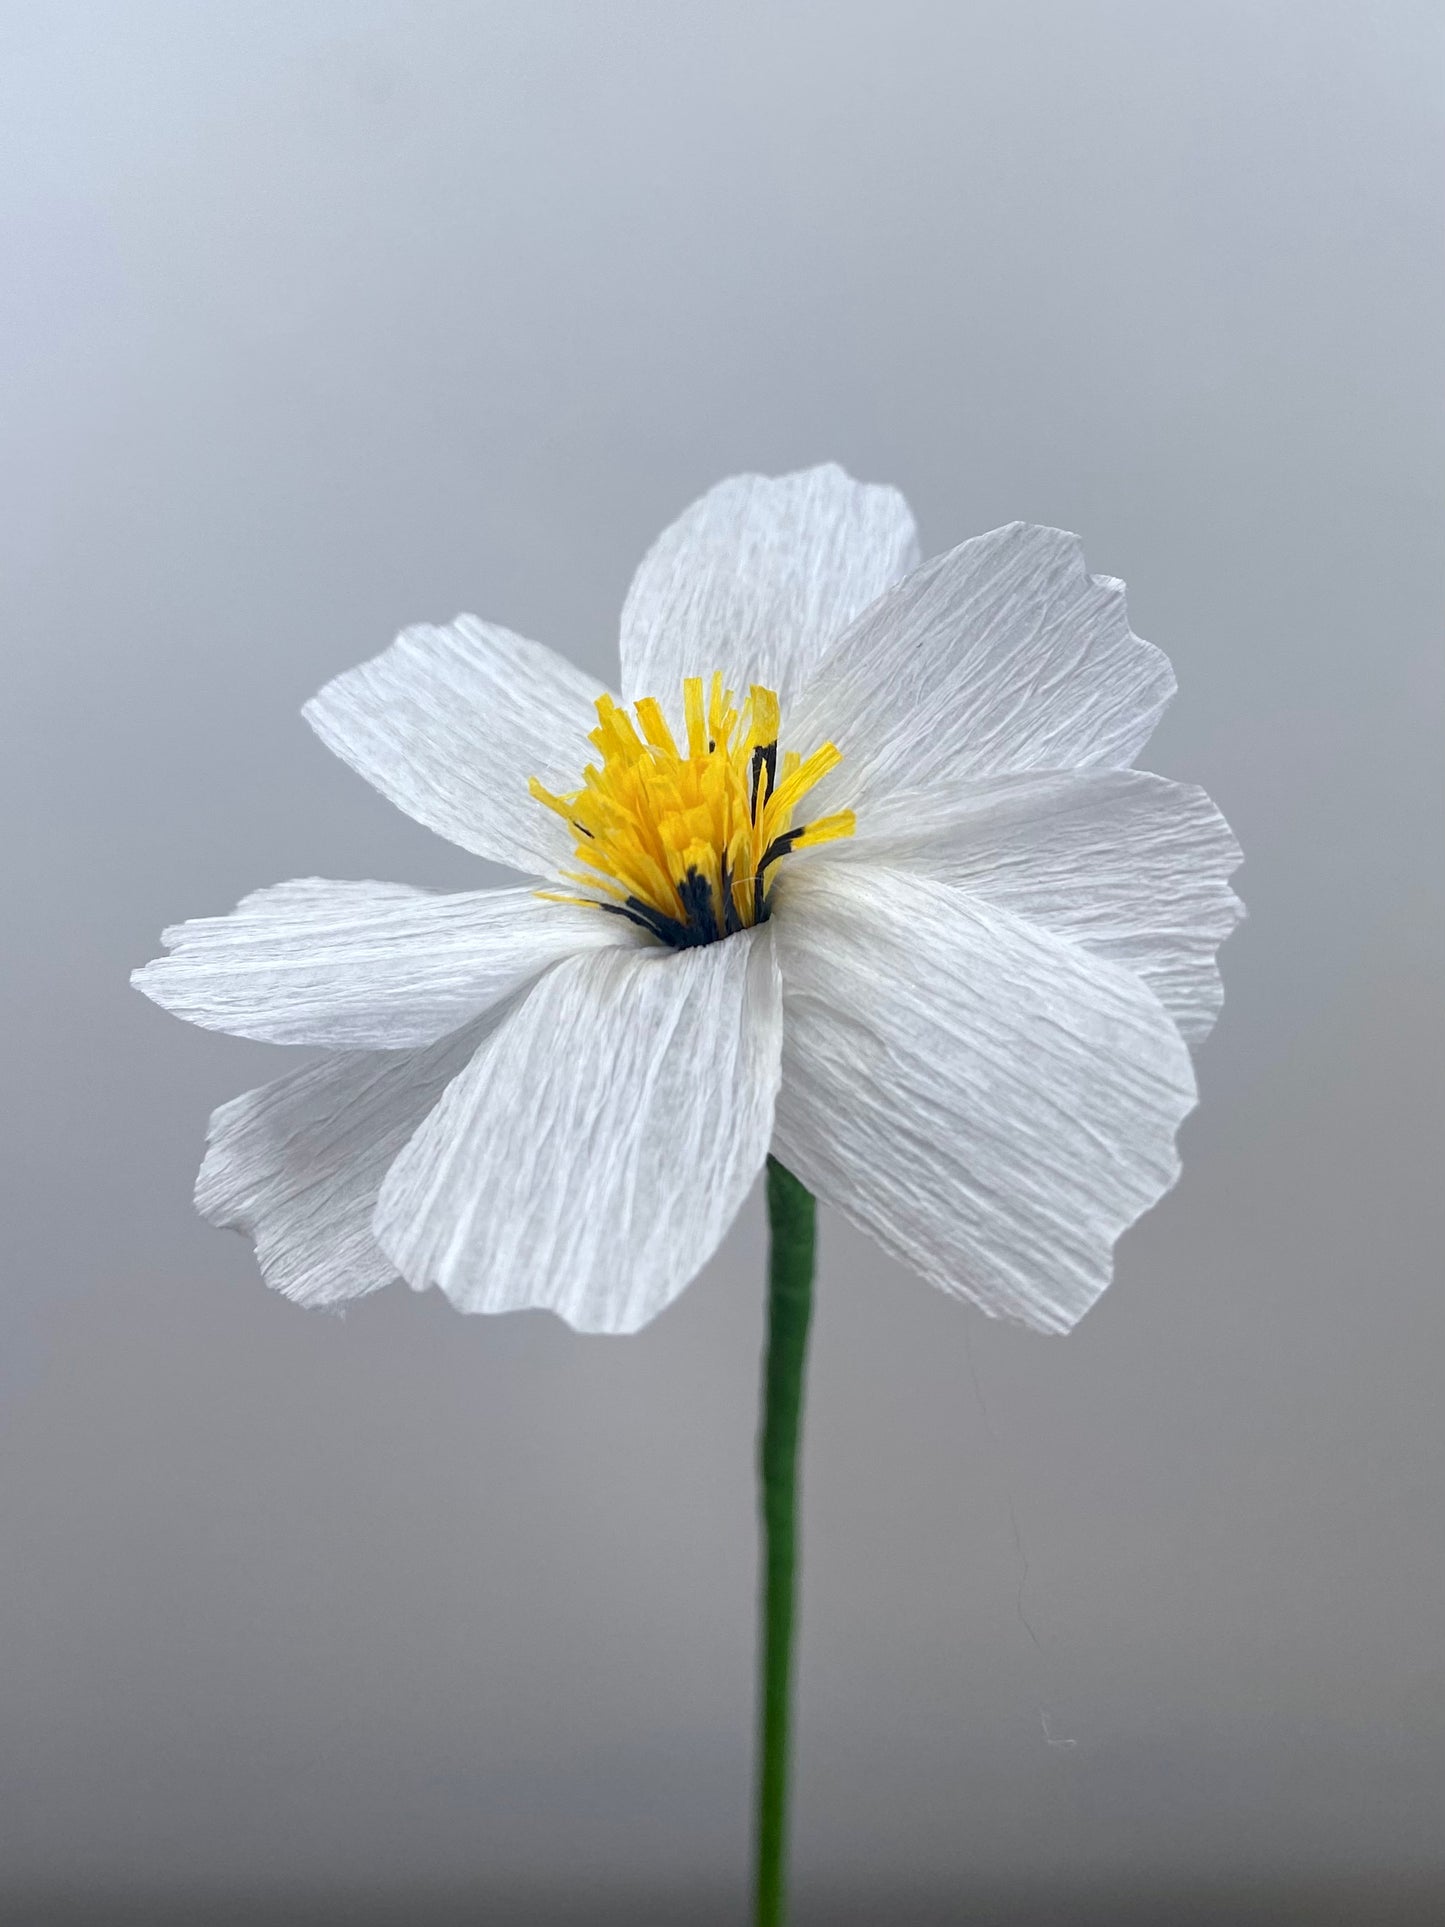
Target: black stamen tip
x=780 y=846
x=666 y=929
x=765 y=758
x=701 y=924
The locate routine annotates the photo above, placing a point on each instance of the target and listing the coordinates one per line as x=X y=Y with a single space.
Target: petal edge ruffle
x=364 y=966
x=296 y=1165
x=1133 y=868
x=449 y=724
x=590 y=1158
x=990 y=1104
x=758 y=578
x=1003 y=655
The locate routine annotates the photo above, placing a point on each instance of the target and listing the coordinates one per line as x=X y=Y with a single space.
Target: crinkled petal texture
x=758 y=577
x=1004 y=655
x=297 y=1165
x=591 y=1156
x=450 y=723
x=1132 y=868
x=966 y=1027
x=365 y=966
x=993 y=1104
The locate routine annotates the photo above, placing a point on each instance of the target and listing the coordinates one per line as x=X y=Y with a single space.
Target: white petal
x=1003 y=655
x=1130 y=866
x=993 y=1105
x=297 y=1164
x=758 y=577
x=364 y=966
x=449 y=723
x=590 y=1158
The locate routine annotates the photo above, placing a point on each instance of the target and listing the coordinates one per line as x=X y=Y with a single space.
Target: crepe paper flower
x=854 y=871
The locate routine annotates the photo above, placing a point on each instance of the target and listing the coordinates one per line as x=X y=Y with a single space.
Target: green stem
x=792 y=1218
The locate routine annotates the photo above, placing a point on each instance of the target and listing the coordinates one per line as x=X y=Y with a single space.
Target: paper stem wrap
x=792 y=1218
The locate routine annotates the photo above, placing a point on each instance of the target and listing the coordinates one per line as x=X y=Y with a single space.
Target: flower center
x=682 y=841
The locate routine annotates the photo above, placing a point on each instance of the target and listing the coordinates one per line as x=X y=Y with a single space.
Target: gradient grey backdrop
x=323 y=318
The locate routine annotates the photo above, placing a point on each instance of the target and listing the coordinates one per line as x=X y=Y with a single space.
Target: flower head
x=855 y=869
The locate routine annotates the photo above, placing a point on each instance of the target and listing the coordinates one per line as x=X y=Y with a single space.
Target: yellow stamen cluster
x=682 y=841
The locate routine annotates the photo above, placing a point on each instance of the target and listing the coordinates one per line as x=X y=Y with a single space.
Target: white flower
x=898 y=910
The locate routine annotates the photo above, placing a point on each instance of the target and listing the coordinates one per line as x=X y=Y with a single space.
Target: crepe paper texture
x=853 y=868
x=854 y=879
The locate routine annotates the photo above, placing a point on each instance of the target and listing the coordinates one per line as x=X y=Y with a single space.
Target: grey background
x=322 y=318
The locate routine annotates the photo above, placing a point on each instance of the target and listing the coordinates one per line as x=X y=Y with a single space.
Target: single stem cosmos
x=792 y=1219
